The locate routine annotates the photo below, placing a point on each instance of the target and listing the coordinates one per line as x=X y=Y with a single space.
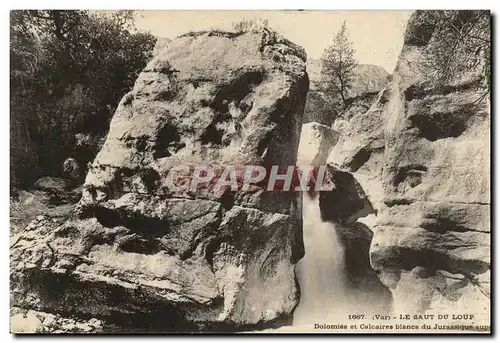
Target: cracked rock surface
x=421 y=154
x=141 y=256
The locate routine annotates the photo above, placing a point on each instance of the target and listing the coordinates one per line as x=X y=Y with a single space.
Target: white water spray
x=320 y=272
x=327 y=295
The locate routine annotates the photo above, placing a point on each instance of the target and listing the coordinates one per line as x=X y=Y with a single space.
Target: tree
x=338 y=65
x=69 y=70
x=460 y=44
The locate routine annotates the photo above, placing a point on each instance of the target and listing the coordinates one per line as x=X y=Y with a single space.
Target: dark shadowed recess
x=346 y=202
x=343 y=206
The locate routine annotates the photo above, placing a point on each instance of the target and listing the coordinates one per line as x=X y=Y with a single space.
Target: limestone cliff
x=421 y=156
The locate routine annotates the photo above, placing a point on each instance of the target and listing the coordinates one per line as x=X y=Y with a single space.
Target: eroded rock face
x=141 y=255
x=421 y=154
x=355 y=165
x=360 y=150
x=316 y=143
x=435 y=228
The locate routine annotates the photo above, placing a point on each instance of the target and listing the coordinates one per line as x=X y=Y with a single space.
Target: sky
x=377 y=35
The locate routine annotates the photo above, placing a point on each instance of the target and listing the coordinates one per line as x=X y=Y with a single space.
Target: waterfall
x=320 y=272
x=328 y=294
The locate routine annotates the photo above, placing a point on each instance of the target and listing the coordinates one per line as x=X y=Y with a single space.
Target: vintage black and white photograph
x=271 y=171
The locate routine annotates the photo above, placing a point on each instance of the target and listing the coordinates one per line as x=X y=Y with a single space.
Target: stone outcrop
x=421 y=155
x=367 y=81
x=140 y=255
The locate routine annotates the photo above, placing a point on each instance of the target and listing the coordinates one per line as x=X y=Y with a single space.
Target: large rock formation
x=140 y=255
x=421 y=155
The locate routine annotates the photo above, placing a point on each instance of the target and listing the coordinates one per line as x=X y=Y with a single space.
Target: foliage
x=461 y=43
x=337 y=70
x=249 y=25
x=69 y=69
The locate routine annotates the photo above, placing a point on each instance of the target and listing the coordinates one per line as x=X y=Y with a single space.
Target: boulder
x=367 y=79
x=142 y=256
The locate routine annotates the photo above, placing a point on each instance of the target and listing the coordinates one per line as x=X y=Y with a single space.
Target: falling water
x=320 y=272
x=327 y=295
